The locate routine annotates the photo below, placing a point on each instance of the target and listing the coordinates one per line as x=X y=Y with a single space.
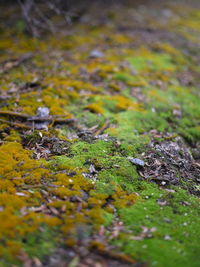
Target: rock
x=167 y=13
x=41 y=126
x=167 y=237
x=137 y=162
x=177 y=113
x=92 y=169
x=96 y=54
x=162 y=202
x=42 y=112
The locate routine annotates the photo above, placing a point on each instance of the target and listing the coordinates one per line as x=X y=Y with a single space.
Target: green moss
x=131 y=80
x=108 y=217
x=130 y=124
x=153 y=62
x=90 y=119
x=40 y=244
x=105 y=187
x=121 y=171
x=175 y=221
x=124 y=77
x=39 y=199
x=64 y=162
x=98 y=148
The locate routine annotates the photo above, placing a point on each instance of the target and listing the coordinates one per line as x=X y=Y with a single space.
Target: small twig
x=38 y=186
x=32 y=119
x=114 y=255
x=16 y=124
x=14 y=114
x=102 y=129
x=50 y=119
x=53 y=118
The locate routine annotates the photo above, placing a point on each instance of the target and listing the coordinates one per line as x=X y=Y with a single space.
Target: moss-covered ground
x=125 y=84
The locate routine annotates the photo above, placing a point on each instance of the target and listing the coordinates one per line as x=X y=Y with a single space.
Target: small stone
x=72 y=173
x=21 y=194
x=92 y=169
x=153 y=229
x=144 y=246
x=136 y=161
x=42 y=112
x=167 y=237
x=161 y=202
x=185 y=203
x=167 y=13
x=167 y=220
x=177 y=112
x=1 y=208
x=96 y=54
x=170 y=190
x=41 y=126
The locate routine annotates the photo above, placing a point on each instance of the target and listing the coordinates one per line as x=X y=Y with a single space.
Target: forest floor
x=99 y=139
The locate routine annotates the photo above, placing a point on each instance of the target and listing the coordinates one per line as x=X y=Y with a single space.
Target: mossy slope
x=74 y=186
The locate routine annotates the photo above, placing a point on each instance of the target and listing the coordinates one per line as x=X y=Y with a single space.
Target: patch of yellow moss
x=96 y=107
x=167 y=48
x=17 y=166
x=13 y=136
x=19 y=213
x=124 y=103
x=120 y=38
